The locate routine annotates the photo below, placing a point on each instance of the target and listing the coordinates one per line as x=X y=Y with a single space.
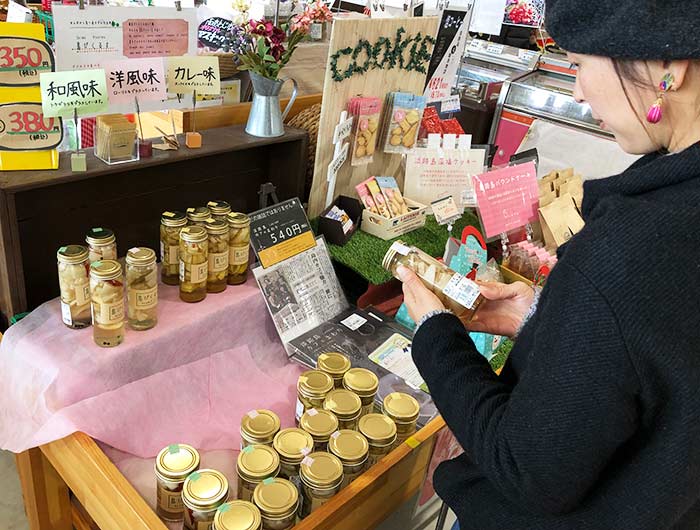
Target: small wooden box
x=388 y=229
x=331 y=229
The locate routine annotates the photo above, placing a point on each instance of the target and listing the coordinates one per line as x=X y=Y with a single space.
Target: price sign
x=23 y=127
x=495 y=48
x=450 y=104
x=22 y=60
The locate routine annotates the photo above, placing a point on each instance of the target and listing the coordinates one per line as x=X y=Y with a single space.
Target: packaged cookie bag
x=403 y=122
x=367 y=112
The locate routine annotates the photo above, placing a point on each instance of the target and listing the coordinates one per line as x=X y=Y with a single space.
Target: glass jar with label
x=202 y=494
x=107 y=295
x=255 y=464
x=278 y=501
x=334 y=364
x=364 y=383
x=352 y=448
x=237 y=515
x=320 y=424
x=74 y=283
x=219 y=210
x=141 y=288
x=259 y=427
x=239 y=243
x=173 y=464
x=404 y=410
x=170 y=225
x=194 y=263
x=380 y=432
x=321 y=477
x=218 y=255
x=102 y=244
x=312 y=387
x=198 y=216
x=459 y=294
x=292 y=445
x=346 y=405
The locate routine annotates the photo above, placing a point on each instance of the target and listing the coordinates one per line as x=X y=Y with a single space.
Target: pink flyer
x=130 y=78
x=155 y=37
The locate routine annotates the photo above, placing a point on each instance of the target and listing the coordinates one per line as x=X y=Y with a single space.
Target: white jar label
x=82 y=294
x=199 y=273
x=182 y=271
x=147 y=298
x=111 y=313
x=218 y=262
x=173 y=254
x=238 y=255
x=162 y=250
x=65 y=314
x=462 y=290
x=299 y=410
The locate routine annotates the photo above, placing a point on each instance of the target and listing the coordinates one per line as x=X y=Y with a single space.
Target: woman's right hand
x=503 y=310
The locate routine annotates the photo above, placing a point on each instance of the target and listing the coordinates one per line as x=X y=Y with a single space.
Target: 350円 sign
x=22 y=60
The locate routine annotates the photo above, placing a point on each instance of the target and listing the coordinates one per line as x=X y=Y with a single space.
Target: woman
x=595 y=420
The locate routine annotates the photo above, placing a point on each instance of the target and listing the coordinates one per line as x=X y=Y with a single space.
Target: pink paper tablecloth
x=188 y=380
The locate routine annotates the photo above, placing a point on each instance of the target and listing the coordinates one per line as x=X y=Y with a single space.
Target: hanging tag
x=464 y=142
x=450 y=104
x=445 y=210
x=449 y=141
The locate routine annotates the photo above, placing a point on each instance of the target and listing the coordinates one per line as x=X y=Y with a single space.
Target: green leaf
x=270 y=59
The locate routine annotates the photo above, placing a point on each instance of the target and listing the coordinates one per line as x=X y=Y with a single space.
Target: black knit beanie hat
x=626 y=29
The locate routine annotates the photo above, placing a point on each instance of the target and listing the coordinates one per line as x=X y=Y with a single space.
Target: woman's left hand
x=418 y=298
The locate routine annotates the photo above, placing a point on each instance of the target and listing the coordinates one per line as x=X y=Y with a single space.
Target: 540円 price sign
x=22 y=60
x=23 y=127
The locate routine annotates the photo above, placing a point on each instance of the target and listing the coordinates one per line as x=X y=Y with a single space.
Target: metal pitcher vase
x=265 y=119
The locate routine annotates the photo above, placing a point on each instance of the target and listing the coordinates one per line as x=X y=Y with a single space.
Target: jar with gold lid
x=202 y=494
x=237 y=515
x=239 y=243
x=352 y=448
x=194 y=263
x=198 y=216
x=74 y=283
x=255 y=464
x=321 y=476
x=404 y=410
x=346 y=405
x=170 y=225
x=380 y=432
x=278 y=501
x=320 y=424
x=292 y=445
x=364 y=383
x=334 y=364
x=107 y=295
x=141 y=288
x=219 y=210
x=259 y=427
x=173 y=464
x=102 y=244
x=312 y=388
x=218 y=255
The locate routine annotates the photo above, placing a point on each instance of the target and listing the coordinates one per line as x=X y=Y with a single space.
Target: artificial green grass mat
x=499 y=358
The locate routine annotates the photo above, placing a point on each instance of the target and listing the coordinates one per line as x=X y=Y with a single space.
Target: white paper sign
x=354 y=322
x=450 y=104
x=337 y=162
x=488 y=16
x=18 y=13
x=342 y=130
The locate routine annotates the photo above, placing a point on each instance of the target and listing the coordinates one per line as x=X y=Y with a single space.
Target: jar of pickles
x=141 y=288
x=352 y=448
x=320 y=424
x=312 y=387
x=255 y=464
x=102 y=244
x=335 y=365
x=278 y=501
x=380 y=432
x=346 y=406
x=237 y=515
x=239 y=241
x=459 y=294
x=74 y=283
x=219 y=210
x=259 y=427
x=292 y=445
x=202 y=494
x=404 y=410
x=364 y=383
x=194 y=263
x=198 y=216
x=107 y=294
x=173 y=465
x=321 y=476
x=218 y=255
x=170 y=225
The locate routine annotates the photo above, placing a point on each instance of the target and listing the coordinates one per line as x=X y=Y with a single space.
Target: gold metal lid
x=258 y=461
x=173 y=219
x=140 y=256
x=205 y=490
x=276 y=497
x=106 y=269
x=321 y=470
x=200 y=213
x=361 y=381
x=100 y=236
x=72 y=254
x=397 y=247
x=238 y=220
x=315 y=383
x=237 y=515
x=401 y=407
x=333 y=363
x=219 y=207
x=260 y=424
x=193 y=234
x=349 y=446
x=319 y=423
x=377 y=428
x=216 y=226
x=293 y=444
x=176 y=461
x=343 y=403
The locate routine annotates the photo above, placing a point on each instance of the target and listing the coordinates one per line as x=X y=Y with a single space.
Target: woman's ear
x=678 y=69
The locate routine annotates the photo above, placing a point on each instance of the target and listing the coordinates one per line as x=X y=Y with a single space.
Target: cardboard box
x=387 y=229
x=332 y=229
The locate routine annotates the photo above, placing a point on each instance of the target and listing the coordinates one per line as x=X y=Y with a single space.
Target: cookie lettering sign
x=23 y=127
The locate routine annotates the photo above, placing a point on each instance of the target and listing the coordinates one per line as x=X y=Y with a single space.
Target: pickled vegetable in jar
x=259 y=427
x=202 y=494
x=102 y=244
x=278 y=500
x=365 y=384
x=198 y=216
x=141 y=288
x=352 y=448
x=219 y=210
x=292 y=445
x=334 y=364
x=218 y=255
x=346 y=406
x=312 y=387
x=238 y=243
x=459 y=294
x=74 y=282
x=322 y=477
x=173 y=464
x=255 y=464
x=107 y=293
x=170 y=225
x=404 y=410
x=380 y=432
x=194 y=263
x=237 y=515
x=320 y=424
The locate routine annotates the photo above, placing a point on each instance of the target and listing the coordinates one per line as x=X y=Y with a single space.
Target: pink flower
x=302 y=23
x=277 y=51
x=261 y=27
x=278 y=36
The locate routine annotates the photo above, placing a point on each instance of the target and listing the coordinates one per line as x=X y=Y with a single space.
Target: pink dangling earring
x=655 y=113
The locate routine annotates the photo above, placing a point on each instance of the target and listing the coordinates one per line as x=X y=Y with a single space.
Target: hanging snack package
x=366 y=112
x=379 y=199
x=392 y=194
x=404 y=120
x=366 y=198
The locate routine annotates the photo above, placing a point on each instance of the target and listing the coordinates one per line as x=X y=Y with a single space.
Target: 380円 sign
x=22 y=60
x=23 y=127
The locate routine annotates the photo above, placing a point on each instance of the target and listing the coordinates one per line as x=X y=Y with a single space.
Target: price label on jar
x=462 y=290
x=23 y=127
x=22 y=60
